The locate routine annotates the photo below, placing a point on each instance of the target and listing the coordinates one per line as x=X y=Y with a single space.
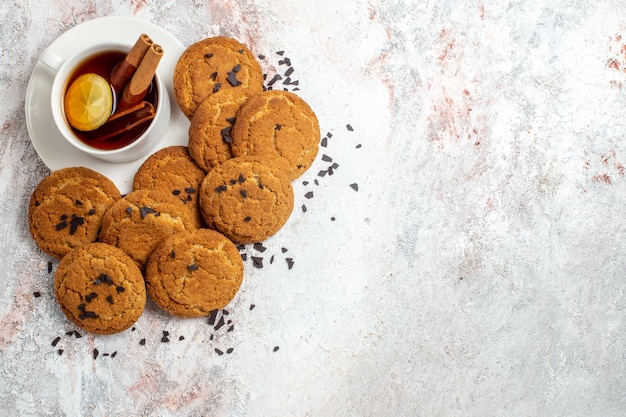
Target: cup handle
x=51 y=60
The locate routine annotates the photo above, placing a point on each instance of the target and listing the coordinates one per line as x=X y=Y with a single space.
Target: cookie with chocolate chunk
x=67 y=207
x=194 y=272
x=278 y=126
x=211 y=65
x=100 y=288
x=245 y=199
x=210 y=131
x=139 y=221
x=172 y=169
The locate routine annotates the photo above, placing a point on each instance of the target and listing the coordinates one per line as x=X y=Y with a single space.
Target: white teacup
x=63 y=70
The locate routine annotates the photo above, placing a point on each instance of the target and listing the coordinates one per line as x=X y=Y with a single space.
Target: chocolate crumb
x=49 y=266
x=283 y=250
x=276 y=348
x=37 y=294
x=322 y=173
x=324 y=142
x=105 y=354
x=142 y=342
x=114 y=354
x=252 y=306
x=304 y=208
x=181 y=337
x=231 y=328
x=349 y=127
x=358 y=146
x=289 y=71
x=290 y=262
x=272 y=260
x=354 y=186
x=95 y=353
x=219 y=352
x=281 y=53
x=219 y=324
x=332 y=219
x=259 y=247
x=212 y=317
x=309 y=194
x=229 y=350
x=326 y=158
x=56 y=340
x=244 y=257
x=257 y=261
x=60 y=352
x=165 y=338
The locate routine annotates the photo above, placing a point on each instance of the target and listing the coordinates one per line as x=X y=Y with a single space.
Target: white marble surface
x=479 y=270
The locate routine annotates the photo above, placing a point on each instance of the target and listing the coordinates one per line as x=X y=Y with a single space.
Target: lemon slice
x=88 y=102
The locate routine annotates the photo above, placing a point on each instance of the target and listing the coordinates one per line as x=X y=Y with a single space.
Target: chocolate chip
x=172 y=254
x=61 y=225
x=217 y=87
x=120 y=289
x=129 y=210
x=278 y=127
x=226 y=134
x=243 y=193
x=237 y=68
x=91 y=212
x=176 y=192
x=78 y=203
x=110 y=299
x=232 y=79
x=89 y=315
x=81 y=307
x=221 y=188
x=91 y=296
x=193 y=267
x=241 y=178
x=75 y=222
x=208 y=56
x=214 y=75
x=231 y=120
x=247 y=219
x=145 y=210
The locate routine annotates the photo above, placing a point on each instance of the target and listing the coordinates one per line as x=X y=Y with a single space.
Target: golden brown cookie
x=100 y=288
x=211 y=65
x=210 y=131
x=277 y=124
x=194 y=272
x=245 y=200
x=172 y=169
x=66 y=209
x=139 y=221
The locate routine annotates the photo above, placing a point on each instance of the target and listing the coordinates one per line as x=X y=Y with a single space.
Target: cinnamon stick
x=139 y=84
x=125 y=69
x=125 y=120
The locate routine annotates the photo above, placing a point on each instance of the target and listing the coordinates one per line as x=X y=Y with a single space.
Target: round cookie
x=210 y=131
x=139 y=221
x=66 y=209
x=210 y=65
x=172 y=169
x=245 y=200
x=99 y=288
x=194 y=272
x=279 y=125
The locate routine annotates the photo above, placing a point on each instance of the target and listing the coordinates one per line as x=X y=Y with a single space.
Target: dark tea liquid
x=102 y=64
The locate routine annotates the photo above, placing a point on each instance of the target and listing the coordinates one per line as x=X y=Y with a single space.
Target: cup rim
x=59 y=87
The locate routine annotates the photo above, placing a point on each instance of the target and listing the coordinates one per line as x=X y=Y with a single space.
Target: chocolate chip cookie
x=139 y=221
x=245 y=199
x=67 y=207
x=100 y=288
x=277 y=125
x=194 y=272
x=211 y=65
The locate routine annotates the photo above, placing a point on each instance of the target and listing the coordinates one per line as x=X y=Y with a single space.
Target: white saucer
x=52 y=148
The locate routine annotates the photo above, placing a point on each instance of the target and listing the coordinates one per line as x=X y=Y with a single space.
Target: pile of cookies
x=175 y=236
